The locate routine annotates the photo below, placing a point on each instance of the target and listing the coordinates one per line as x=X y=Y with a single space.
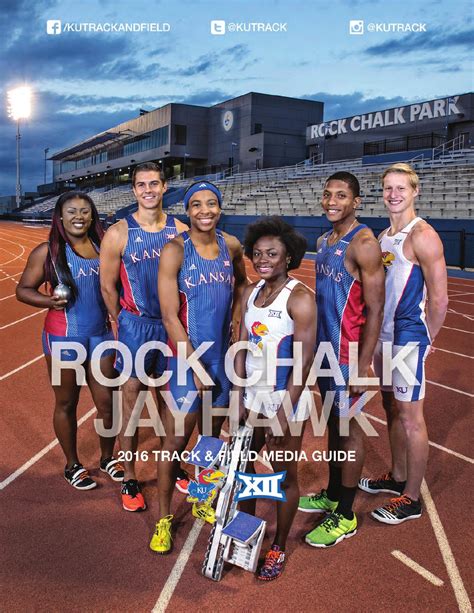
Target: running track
x=64 y=549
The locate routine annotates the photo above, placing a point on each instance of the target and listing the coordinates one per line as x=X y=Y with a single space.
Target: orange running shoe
x=132 y=497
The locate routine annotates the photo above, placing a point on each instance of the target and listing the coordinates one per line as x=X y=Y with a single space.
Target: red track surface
x=78 y=551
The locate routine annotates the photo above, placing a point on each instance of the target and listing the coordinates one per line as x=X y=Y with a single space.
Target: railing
x=453 y=145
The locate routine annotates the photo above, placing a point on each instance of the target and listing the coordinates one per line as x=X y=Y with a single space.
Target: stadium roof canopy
x=91 y=143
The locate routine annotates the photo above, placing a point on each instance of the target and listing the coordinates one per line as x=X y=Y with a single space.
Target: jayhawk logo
x=387 y=259
x=257 y=332
x=205 y=488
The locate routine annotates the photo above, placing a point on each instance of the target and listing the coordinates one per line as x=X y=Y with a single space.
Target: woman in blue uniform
x=201 y=279
x=71 y=258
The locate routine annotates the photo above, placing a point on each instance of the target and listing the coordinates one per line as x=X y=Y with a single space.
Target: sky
x=86 y=82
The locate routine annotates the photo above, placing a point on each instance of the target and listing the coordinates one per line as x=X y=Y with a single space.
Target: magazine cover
x=236 y=269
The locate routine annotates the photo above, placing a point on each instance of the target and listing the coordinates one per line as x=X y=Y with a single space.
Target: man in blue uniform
x=130 y=257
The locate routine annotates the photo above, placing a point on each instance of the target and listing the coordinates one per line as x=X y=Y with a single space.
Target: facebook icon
x=53 y=26
x=261 y=486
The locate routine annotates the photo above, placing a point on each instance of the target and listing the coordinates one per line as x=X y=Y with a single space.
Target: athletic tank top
x=405 y=292
x=139 y=267
x=205 y=292
x=341 y=307
x=266 y=325
x=87 y=316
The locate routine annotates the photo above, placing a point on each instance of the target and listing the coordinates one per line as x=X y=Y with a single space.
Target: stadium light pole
x=19 y=107
x=45 y=160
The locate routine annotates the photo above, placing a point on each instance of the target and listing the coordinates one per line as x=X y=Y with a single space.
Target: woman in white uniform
x=277 y=313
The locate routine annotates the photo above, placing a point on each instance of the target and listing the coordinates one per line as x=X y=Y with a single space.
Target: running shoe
x=182 y=483
x=78 y=477
x=384 y=484
x=204 y=511
x=113 y=468
x=317 y=503
x=161 y=539
x=332 y=531
x=132 y=497
x=272 y=566
x=398 y=510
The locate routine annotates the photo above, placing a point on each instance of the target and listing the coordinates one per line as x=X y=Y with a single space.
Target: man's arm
x=428 y=250
x=368 y=259
x=111 y=250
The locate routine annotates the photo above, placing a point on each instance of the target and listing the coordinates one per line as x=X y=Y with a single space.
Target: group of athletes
x=160 y=280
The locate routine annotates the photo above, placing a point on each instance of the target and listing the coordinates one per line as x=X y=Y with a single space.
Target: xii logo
x=261 y=486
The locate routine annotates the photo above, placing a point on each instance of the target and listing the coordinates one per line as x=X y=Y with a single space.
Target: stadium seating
x=445 y=189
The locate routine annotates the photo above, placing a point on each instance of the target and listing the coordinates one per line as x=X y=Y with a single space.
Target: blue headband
x=199 y=187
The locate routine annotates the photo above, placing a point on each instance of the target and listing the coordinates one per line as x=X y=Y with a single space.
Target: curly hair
x=295 y=243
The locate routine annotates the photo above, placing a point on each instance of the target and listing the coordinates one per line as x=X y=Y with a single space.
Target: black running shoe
x=398 y=510
x=113 y=468
x=384 y=484
x=78 y=477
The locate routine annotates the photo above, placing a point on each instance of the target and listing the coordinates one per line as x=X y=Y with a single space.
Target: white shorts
x=267 y=401
x=408 y=382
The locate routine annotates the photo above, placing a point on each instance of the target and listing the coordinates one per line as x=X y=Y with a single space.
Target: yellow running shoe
x=204 y=511
x=161 y=540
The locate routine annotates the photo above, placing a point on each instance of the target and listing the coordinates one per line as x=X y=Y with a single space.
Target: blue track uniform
x=86 y=320
x=341 y=312
x=140 y=318
x=205 y=291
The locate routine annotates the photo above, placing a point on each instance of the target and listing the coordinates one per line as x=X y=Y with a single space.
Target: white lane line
x=463 y=294
x=468 y=284
x=444 y=327
x=7 y=297
x=39 y=455
x=10 y=276
x=178 y=568
x=461 y=355
x=465 y=315
x=451 y=389
x=435 y=445
x=460 y=593
x=421 y=570
x=180 y=564
x=12 y=372
x=460 y=301
x=22 y=319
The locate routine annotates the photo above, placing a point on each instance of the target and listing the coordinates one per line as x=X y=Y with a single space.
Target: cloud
x=345 y=105
x=60 y=121
x=440 y=40
x=213 y=61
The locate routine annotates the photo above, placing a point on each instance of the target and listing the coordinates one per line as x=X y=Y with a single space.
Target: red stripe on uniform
x=352 y=320
x=127 y=300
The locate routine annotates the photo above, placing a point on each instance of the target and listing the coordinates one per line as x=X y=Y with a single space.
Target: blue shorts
x=135 y=331
x=88 y=342
x=342 y=402
x=192 y=403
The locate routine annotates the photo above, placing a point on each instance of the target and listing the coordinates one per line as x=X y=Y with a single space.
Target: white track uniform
x=404 y=320
x=271 y=328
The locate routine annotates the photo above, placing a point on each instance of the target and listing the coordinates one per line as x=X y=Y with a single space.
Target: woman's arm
x=27 y=290
x=302 y=309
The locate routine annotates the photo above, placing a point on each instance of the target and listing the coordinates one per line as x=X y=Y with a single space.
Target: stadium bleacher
x=445 y=189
